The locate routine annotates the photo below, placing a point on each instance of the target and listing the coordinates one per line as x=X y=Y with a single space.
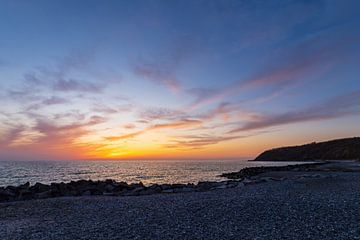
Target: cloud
x=47 y=140
x=157 y=73
x=223 y=110
x=161 y=68
x=54 y=100
x=100 y=108
x=183 y=123
x=11 y=135
x=48 y=128
x=156 y=113
x=77 y=86
x=196 y=142
x=316 y=54
x=33 y=78
x=129 y=126
x=24 y=95
x=339 y=106
x=58 y=74
x=74 y=115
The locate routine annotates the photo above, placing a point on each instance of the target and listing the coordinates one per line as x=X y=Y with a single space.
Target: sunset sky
x=175 y=79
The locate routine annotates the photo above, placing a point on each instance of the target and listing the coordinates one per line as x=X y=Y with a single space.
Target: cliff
x=339 y=149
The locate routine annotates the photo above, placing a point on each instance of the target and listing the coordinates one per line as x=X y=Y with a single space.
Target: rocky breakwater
x=254 y=171
x=107 y=187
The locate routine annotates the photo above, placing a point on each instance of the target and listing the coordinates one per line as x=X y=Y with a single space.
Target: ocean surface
x=18 y=172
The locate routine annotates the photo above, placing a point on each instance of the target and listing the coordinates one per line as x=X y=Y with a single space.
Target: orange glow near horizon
x=171 y=89
x=157 y=144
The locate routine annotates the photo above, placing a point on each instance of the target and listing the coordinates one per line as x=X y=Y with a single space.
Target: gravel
x=309 y=208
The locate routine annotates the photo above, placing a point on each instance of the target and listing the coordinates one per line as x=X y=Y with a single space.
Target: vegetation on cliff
x=339 y=149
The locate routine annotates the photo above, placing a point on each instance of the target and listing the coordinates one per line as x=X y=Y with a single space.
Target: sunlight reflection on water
x=19 y=172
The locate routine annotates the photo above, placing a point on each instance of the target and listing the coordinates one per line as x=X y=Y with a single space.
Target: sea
x=148 y=172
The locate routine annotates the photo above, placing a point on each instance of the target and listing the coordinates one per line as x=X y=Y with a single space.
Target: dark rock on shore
x=107 y=188
x=340 y=149
x=253 y=171
x=110 y=187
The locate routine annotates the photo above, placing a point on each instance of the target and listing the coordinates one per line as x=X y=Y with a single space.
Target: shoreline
x=302 y=205
x=245 y=176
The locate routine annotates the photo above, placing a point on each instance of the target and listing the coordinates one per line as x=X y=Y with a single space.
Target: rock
x=96 y=191
x=109 y=187
x=43 y=195
x=39 y=187
x=168 y=191
x=247 y=181
x=86 y=193
x=109 y=181
x=184 y=189
x=148 y=191
x=221 y=186
x=6 y=194
x=25 y=194
x=119 y=186
x=136 y=185
x=138 y=189
x=206 y=186
x=155 y=187
x=177 y=185
x=25 y=185
x=165 y=186
x=109 y=194
x=232 y=184
x=240 y=184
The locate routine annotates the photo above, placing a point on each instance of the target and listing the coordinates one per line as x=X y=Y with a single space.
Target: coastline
x=250 y=175
x=273 y=205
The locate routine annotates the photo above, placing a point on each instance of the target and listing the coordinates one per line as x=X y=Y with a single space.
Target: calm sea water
x=19 y=172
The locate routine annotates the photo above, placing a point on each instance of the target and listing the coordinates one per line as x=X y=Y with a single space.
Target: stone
x=165 y=186
x=25 y=185
x=43 y=195
x=6 y=195
x=168 y=191
x=184 y=189
x=206 y=186
x=39 y=187
x=25 y=194
x=109 y=187
x=86 y=193
x=221 y=186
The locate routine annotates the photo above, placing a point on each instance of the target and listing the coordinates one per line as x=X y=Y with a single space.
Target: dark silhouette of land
x=339 y=149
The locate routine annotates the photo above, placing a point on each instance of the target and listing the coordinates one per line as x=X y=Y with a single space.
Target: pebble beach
x=315 y=205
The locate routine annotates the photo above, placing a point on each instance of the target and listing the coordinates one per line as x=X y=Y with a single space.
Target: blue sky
x=175 y=79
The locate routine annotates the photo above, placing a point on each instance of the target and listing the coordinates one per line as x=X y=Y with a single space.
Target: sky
x=175 y=79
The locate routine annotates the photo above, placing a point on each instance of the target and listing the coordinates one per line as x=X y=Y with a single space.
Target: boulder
x=39 y=187
x=43 y=195
x=6 y=194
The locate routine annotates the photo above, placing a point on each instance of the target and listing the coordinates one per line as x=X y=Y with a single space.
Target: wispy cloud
x=161 y=68
x=196 y=142
x=157 y=73
x=158 y=113
x=344 y=105
x=183 y=123
x=77 y=86
x=293 y=64
x=11 y=135
x=102 y=108
x=58 y=74
x=55 y=100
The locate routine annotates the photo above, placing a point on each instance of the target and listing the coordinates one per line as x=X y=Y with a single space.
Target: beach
x=307 y=205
